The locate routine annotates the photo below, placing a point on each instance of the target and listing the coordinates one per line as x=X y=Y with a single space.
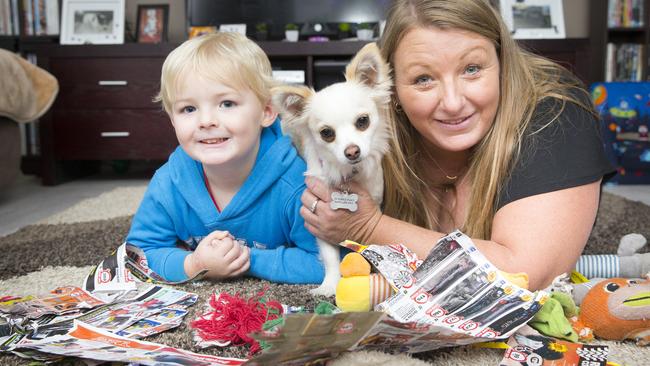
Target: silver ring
x=312 y=208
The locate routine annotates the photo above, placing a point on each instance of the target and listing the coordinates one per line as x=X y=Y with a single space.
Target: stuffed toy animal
x=358 y=289
x=617 y=309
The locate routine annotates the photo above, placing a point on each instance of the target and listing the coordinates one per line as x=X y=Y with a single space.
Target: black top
x=567 y=153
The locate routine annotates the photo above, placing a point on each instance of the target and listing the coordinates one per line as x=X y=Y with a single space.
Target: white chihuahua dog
x=342 y=133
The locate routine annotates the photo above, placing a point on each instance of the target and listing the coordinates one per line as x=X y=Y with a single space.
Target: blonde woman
x=489 y=138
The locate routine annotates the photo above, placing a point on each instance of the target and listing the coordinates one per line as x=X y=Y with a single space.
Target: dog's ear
x=368 y=67
x=291 y=102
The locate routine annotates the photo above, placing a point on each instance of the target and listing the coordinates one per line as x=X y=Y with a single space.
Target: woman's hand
x=335 y=226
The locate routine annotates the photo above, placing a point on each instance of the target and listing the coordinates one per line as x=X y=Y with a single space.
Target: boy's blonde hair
x=225 y=57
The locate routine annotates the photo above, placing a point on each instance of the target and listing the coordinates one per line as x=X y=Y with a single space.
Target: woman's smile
x=457 y=124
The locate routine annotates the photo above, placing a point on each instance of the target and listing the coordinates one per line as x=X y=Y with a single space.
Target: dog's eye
x=362 y=122
x=327 y=134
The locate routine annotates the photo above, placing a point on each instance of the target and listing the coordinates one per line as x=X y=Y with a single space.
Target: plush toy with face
x=618 y=309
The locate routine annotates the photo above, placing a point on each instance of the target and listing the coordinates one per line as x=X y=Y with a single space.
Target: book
x=28 y=18
x=15 y=17
x=51 y=17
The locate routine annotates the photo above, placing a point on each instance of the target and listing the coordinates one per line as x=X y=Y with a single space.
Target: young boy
x=231 y=190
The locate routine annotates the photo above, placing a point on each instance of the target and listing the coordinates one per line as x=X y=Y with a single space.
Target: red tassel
x=234 y=318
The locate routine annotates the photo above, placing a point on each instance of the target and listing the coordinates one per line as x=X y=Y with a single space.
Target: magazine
x=88 y=342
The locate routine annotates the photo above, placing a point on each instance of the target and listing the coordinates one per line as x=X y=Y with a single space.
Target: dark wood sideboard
x=104 y=110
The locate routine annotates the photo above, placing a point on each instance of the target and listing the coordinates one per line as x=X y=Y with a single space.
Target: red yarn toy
x=234 y=318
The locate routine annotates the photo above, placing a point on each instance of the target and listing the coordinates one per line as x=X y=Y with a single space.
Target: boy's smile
x=217 y=124
x=214 y=141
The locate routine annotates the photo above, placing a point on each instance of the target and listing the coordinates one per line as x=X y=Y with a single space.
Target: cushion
x=27 y=91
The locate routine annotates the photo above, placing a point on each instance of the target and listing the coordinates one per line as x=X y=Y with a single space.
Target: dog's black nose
x=352 y=152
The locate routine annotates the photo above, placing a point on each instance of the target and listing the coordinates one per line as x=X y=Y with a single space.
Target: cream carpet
x=119 y=203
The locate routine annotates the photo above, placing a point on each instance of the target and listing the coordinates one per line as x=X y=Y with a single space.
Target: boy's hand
x=220 y=254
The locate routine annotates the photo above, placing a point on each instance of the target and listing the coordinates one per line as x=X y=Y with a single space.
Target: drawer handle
x=115 y=134
x=112 y=82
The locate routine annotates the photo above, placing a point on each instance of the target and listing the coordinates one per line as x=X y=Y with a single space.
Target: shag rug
x=63 y=249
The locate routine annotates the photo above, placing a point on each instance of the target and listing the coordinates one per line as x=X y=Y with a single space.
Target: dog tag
x=344 y=200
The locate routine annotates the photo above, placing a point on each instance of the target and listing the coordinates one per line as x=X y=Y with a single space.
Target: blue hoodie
x=264 y=213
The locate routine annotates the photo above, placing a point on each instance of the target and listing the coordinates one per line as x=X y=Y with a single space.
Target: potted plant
x=344 y=30
x=261 y=31
x=291 y=32
x=365 y=32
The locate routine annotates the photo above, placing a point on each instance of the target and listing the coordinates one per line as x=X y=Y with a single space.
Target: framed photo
x=529 y=19
x=236 y=28
x=92 y=22
x=152 y=23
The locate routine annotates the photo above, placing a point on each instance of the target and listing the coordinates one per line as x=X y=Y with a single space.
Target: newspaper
x=453 y=297
x=120 y=271
x=307 y=338
x=64 y=300
x=534 y=349
x=118 y=298
x=457 y=289
x=148 y=310
x=88 y=342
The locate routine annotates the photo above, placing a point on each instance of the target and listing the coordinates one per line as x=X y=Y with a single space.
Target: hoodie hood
x=274 y=158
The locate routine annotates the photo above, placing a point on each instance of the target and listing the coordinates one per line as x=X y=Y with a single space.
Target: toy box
x=624 y=108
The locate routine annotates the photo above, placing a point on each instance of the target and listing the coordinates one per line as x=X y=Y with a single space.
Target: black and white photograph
x=530 y=19
x=532 y=16
x=92 y=22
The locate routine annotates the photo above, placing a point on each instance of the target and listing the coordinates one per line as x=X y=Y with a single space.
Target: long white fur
x=304 y=112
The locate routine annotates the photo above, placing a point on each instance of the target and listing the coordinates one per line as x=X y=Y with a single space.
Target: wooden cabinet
x=8 y=42
x=626 y=30
x=104 y=110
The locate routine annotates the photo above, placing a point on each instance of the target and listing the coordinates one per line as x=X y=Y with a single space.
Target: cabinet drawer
x=107 y=82
x=92 y=70
x=133 y=95
x=112 y=134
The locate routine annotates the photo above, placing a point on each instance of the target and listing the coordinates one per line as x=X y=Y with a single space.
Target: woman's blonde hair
x=525 y=79
x=225 y=57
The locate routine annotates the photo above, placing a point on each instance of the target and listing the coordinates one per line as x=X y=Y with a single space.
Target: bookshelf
x=620 y=35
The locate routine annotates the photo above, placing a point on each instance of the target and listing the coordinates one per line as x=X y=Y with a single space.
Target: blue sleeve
x=153 y=231
x=297 y=262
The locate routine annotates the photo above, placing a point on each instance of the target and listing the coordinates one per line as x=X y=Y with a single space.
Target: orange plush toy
x=617 y=309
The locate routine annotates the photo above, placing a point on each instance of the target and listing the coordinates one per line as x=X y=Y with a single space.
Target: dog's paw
x=324 y=289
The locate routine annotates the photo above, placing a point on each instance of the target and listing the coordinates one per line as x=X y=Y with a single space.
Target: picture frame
x=534 y=19
x=92 y=22
x=152 y=23
x=235 y=28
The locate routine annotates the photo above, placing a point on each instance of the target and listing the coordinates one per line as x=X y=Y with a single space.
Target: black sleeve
x=567 y=153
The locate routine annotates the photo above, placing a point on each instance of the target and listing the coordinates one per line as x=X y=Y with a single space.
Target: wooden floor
x=28 y=202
